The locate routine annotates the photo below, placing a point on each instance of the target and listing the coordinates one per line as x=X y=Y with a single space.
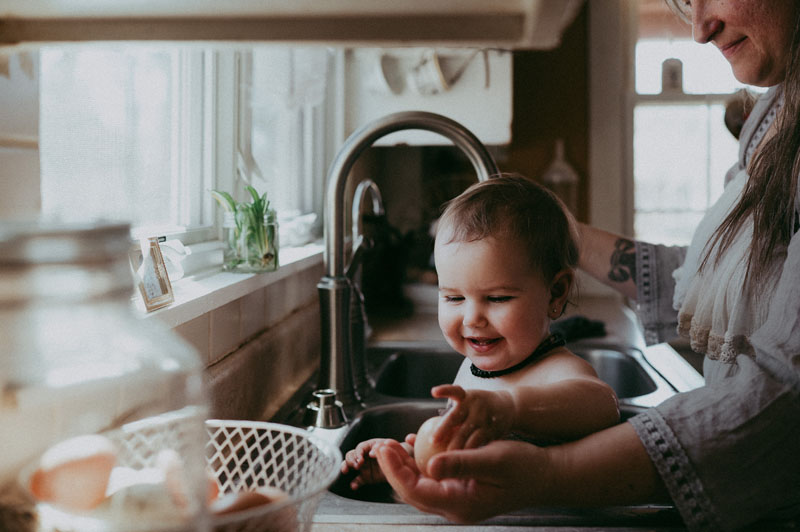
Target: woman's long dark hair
x=769 y=194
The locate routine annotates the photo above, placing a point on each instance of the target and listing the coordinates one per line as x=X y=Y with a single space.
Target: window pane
x=681 y=154
x=284 y=93
x=681 y=147
x=705 y=70
x=119 y=132
x=106 y=134
x=670 y=229
x=670 y=151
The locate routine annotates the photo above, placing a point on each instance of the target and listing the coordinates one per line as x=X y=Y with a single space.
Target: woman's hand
x=475 y=417
x=470 y=485
x=610 y=467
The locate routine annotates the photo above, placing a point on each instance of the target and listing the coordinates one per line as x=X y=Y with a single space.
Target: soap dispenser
x=562 y=178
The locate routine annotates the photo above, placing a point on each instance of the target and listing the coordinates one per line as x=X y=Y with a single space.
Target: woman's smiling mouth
x=729 y=49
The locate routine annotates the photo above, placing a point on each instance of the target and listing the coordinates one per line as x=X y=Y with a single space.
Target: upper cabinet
x=510 y=24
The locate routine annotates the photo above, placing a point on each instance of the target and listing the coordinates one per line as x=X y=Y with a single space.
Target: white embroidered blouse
x=729 y=452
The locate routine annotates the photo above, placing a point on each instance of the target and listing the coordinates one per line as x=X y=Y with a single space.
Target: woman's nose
x=705 y=23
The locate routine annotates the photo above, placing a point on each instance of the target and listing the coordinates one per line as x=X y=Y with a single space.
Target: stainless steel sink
x=404 y=373
x=410 y=371
x=388 y=421
x=393 y=421
x=376 y=504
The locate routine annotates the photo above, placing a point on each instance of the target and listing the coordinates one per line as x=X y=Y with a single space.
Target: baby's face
x=492 y=305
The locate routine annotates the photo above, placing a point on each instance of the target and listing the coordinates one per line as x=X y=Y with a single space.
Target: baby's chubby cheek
x=424 y=447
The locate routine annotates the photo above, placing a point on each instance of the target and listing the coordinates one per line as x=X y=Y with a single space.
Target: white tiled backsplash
x=261 y=347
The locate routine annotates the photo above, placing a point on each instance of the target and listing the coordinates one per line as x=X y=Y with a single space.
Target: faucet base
x=324 y=411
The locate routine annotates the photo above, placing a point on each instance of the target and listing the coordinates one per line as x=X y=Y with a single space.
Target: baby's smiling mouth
x=482 y=342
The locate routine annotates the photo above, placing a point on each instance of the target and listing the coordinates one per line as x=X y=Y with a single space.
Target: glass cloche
x=102 y=412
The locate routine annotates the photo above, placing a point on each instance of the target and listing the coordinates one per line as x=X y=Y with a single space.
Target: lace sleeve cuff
x=675 y=470
x=655 y=286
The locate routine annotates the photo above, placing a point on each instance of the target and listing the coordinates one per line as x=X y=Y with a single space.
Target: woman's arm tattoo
x=623 y=261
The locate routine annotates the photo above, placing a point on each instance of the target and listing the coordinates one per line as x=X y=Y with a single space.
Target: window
x=281 y=136
x=681 y=146
x=142 y=133
x=125 y=134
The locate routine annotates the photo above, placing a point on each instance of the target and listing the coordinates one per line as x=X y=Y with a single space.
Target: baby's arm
x=363 y=460
x=565 y=401
x=564 y=410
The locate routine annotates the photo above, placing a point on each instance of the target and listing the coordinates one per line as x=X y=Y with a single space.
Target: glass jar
x=562 y=179
x=102 y=413
x=250 y=248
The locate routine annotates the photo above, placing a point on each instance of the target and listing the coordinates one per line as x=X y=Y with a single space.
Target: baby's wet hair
x=513 y=206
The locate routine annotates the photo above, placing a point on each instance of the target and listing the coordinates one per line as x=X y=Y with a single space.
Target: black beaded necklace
x=548 y=344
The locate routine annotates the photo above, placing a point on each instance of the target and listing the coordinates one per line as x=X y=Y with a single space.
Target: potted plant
x=250 y=232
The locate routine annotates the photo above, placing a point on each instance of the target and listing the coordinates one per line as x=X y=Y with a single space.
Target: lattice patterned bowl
x=247 y=455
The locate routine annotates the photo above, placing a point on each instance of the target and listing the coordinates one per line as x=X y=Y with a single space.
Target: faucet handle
x=325 y=411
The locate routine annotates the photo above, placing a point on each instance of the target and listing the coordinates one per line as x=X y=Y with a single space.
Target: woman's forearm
x=610 y=467
x=609 y=258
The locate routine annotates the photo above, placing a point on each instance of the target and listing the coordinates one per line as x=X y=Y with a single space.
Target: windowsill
x=212 y=288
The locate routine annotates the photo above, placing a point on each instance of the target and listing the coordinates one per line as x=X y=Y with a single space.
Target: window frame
x=208 y=129
x=202 y=148
x=320 y=126
x=613 y=33
x=672 y=99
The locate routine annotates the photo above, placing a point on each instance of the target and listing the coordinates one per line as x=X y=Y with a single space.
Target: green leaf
x=224 y=199
x=253 y=193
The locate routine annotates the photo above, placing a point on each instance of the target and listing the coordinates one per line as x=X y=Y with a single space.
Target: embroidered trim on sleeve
x=676 y=471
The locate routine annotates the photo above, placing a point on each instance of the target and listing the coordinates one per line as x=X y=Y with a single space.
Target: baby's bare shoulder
x=559 y=364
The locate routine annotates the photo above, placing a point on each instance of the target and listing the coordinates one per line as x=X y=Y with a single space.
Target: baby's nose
x=473 y=315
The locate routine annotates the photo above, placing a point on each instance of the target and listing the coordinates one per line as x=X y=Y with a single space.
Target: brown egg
x=74 y=473
x=424 y=446
x=212 y=491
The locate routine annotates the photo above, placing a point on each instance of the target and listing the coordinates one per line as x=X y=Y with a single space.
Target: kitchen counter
x=321 y=527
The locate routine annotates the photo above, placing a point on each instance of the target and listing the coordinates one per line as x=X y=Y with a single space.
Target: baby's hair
x=510 y=205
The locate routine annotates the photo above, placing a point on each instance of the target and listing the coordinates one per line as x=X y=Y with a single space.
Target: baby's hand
x=475 y=417
x=363 y=460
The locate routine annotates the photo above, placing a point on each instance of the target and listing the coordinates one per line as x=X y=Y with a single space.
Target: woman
x=726 y=454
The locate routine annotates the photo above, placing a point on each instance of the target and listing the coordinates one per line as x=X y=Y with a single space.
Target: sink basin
x=389 y=421
x=413 y=372
x=410 y=372
x=404 y=373
x=393 y=421
x=376 y=504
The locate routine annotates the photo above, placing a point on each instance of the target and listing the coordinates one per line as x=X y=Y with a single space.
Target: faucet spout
x=336 y=372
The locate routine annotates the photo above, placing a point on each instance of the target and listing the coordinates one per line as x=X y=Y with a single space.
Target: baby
x=505 y=256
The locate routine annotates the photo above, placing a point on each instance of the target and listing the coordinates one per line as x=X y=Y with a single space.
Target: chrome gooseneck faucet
x=336 y=369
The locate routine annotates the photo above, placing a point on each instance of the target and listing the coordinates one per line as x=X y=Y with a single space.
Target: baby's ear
x=560 y=286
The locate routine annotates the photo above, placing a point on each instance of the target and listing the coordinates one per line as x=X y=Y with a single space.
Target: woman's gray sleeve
x=654 y=288
x=729 y=452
